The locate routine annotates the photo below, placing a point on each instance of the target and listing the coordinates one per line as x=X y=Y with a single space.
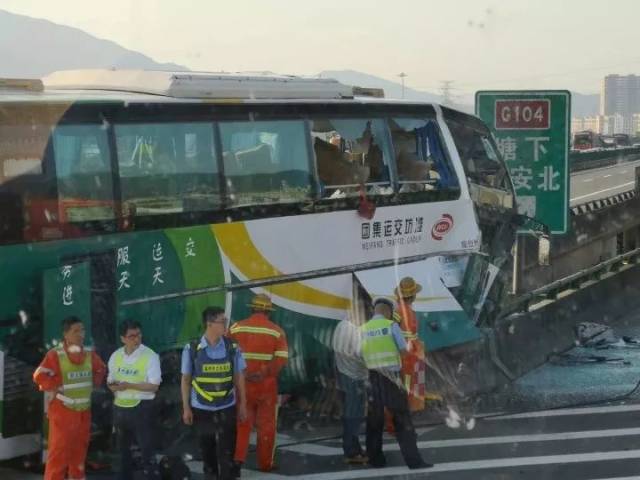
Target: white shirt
x=347 y=346
x=154 y=374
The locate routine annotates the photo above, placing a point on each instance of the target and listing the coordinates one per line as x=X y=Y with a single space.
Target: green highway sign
x=531 y=128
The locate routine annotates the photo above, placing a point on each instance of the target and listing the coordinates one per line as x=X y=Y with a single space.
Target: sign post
x=532 y=133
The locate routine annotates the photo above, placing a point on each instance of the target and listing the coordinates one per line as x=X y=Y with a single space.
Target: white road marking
x=618 y=478
x=478 y=465
x=587 y=180
x=607 y=176
x=617 y=187
x=326 y=451
x=560 y=412
x=196 y=467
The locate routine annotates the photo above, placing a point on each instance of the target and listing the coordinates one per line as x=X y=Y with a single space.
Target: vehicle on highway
x=150 y=195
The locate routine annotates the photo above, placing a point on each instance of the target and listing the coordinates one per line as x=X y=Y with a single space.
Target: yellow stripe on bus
x=235 y=242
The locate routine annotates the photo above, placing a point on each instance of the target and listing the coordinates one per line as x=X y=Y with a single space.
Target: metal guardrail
x=572 y=282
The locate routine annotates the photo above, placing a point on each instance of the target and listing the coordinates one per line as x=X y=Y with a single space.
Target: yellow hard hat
x=261 y=302
x=407 y=288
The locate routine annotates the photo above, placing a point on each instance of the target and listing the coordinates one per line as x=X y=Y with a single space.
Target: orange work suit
x=68 y=429
x=264 y=347
x=415 y=354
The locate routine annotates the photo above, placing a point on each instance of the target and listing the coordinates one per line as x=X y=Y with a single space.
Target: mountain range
x=32 y=48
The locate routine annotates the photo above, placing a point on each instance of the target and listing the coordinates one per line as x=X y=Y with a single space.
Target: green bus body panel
x=443 y=329
x=27 y=268
x=202 y=267
x=66 y=292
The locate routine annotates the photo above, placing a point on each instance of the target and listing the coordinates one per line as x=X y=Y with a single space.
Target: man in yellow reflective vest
x=213 y=394
x=67 y=375
x=382 y=345
x=134 y=378
x=264 y=346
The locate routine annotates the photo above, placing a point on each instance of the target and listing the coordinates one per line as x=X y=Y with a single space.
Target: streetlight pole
x=402 y=75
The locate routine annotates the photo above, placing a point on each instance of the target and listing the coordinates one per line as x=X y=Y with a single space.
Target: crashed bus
x=151 y=195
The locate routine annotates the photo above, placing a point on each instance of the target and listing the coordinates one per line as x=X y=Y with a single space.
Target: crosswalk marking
x=323 y=450
x=480 y=465
x=568 y=411
x=618 y=478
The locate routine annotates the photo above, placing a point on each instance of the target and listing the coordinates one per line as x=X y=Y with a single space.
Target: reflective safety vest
x=379 y=349
x=212 y=379
x=77 y=381
x=135 y=372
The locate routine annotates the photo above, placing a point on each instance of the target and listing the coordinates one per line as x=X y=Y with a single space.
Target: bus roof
x=199 y=85
x=148 y=86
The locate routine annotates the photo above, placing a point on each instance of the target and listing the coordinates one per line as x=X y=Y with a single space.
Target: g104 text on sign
x=522 y=114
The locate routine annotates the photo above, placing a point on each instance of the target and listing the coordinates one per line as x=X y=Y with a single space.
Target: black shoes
x=421 y=464
x=236 y=470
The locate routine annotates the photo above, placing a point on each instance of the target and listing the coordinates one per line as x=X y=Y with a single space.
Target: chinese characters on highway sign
x=532 y=133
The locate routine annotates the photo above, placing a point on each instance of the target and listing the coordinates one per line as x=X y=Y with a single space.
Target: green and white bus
x=150 y=195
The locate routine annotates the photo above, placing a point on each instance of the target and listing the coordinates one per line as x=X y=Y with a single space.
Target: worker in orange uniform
x=67 y=375
x=413 y=361
x=264 y=346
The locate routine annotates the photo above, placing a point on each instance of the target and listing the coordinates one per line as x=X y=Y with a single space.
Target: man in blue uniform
x=213 y=393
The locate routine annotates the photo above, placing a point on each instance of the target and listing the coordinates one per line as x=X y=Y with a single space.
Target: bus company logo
x=442 y=227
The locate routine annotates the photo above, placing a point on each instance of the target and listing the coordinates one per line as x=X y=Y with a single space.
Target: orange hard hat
x=261 y=302
x=408 y=288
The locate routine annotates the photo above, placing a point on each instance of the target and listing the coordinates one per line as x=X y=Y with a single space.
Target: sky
x=478 y=44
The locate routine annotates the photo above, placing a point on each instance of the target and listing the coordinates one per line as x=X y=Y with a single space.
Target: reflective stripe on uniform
x=72 y=401
x=73 y=386
x=210 y=396
x=213 y=380
x=129 y=395
x=257 y=356
x=257 y=330
x=281 y=353
x=382 y=355
x=46 y=370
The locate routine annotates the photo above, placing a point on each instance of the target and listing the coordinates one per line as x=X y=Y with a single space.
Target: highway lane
x=589 y=185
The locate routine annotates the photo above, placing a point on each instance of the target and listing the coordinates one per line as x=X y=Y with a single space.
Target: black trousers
x=385 y=391
x=217 y=436
x=135 y=424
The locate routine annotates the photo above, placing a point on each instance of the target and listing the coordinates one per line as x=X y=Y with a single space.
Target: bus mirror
x=544 y=249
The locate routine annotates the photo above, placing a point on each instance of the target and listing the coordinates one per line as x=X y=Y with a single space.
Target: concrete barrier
x=525 y=341
x=590 y=240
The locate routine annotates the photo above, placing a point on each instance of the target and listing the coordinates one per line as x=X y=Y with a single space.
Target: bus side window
x=421 y=158
x=350 y=153
x=25 y=185
x=266 y=162
x=83 y=170
x=167 y=168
